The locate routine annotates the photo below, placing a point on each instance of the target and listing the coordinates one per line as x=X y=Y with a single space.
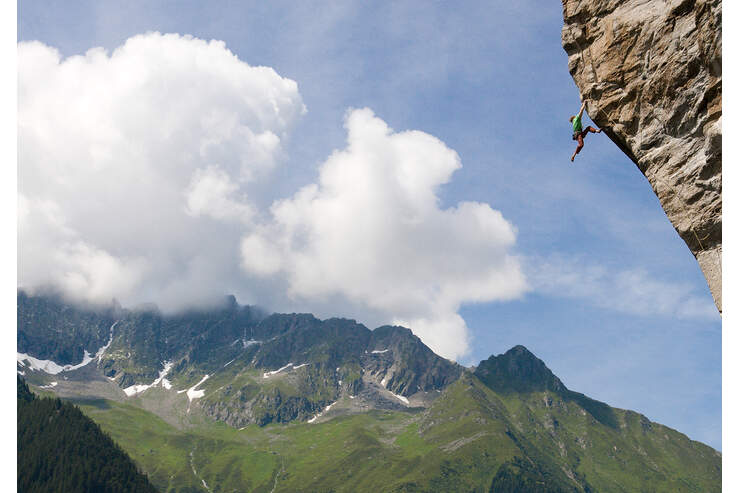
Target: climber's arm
x=583 y=107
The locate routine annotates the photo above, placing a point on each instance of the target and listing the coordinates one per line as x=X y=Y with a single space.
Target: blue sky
x=617 y=306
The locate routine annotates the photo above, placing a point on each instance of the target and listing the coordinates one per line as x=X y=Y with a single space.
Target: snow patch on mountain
x=268 y=374
x=102 y=350
x=401 y=398
x=137 y=389
x=326 y=409
x=52 y=368
x=197 y=394
x=49 y=366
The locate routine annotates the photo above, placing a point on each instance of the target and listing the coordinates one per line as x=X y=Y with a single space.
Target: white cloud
x=52 y=253
x=371 y=230
x=632 y=291
x=212 y=193
x=135 y=175
x=128 y=161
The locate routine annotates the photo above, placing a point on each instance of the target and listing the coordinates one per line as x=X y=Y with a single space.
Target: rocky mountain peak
x=518 y=370
x=651 y=75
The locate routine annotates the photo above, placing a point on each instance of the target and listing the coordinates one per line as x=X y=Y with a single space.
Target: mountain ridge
x=306 y=363
x=234 y=380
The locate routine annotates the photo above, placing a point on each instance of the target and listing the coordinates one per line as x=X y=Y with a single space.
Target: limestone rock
x=651 y=74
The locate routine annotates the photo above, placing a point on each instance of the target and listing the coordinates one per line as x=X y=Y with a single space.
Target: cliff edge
x=651 y=74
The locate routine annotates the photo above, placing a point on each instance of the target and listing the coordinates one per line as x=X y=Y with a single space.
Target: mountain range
x=235 y=399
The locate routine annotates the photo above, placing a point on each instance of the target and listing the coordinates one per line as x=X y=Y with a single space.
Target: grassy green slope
x=633 y=455
x=351 y=453
x=468 y=437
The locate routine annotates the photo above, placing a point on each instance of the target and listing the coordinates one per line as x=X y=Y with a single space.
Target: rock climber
x=579 y=133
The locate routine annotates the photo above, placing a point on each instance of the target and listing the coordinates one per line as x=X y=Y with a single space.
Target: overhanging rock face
x=651 y=74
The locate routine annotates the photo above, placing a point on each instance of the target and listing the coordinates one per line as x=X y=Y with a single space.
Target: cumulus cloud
x=127 y=161
x=136 y=170
x=213 y=193
x=73 y=264
x=372 y=230
x=632 y=291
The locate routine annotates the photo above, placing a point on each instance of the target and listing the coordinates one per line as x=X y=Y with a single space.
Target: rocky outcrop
x=404 y=365
x=517 y=370
x=651 y=74
x=51 y=329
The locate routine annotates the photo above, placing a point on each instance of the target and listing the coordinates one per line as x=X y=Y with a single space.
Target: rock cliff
x=651 y=74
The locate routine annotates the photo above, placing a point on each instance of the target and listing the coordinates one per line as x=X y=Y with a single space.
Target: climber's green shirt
x=577 y=127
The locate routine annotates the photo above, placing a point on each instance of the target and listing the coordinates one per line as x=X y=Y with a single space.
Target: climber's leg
x=580 y=144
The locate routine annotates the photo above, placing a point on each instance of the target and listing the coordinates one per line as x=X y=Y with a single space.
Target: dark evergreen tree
x=62 y=450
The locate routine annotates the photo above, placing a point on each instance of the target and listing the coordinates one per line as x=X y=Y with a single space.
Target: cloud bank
x=631 y=291
x=137 y=168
